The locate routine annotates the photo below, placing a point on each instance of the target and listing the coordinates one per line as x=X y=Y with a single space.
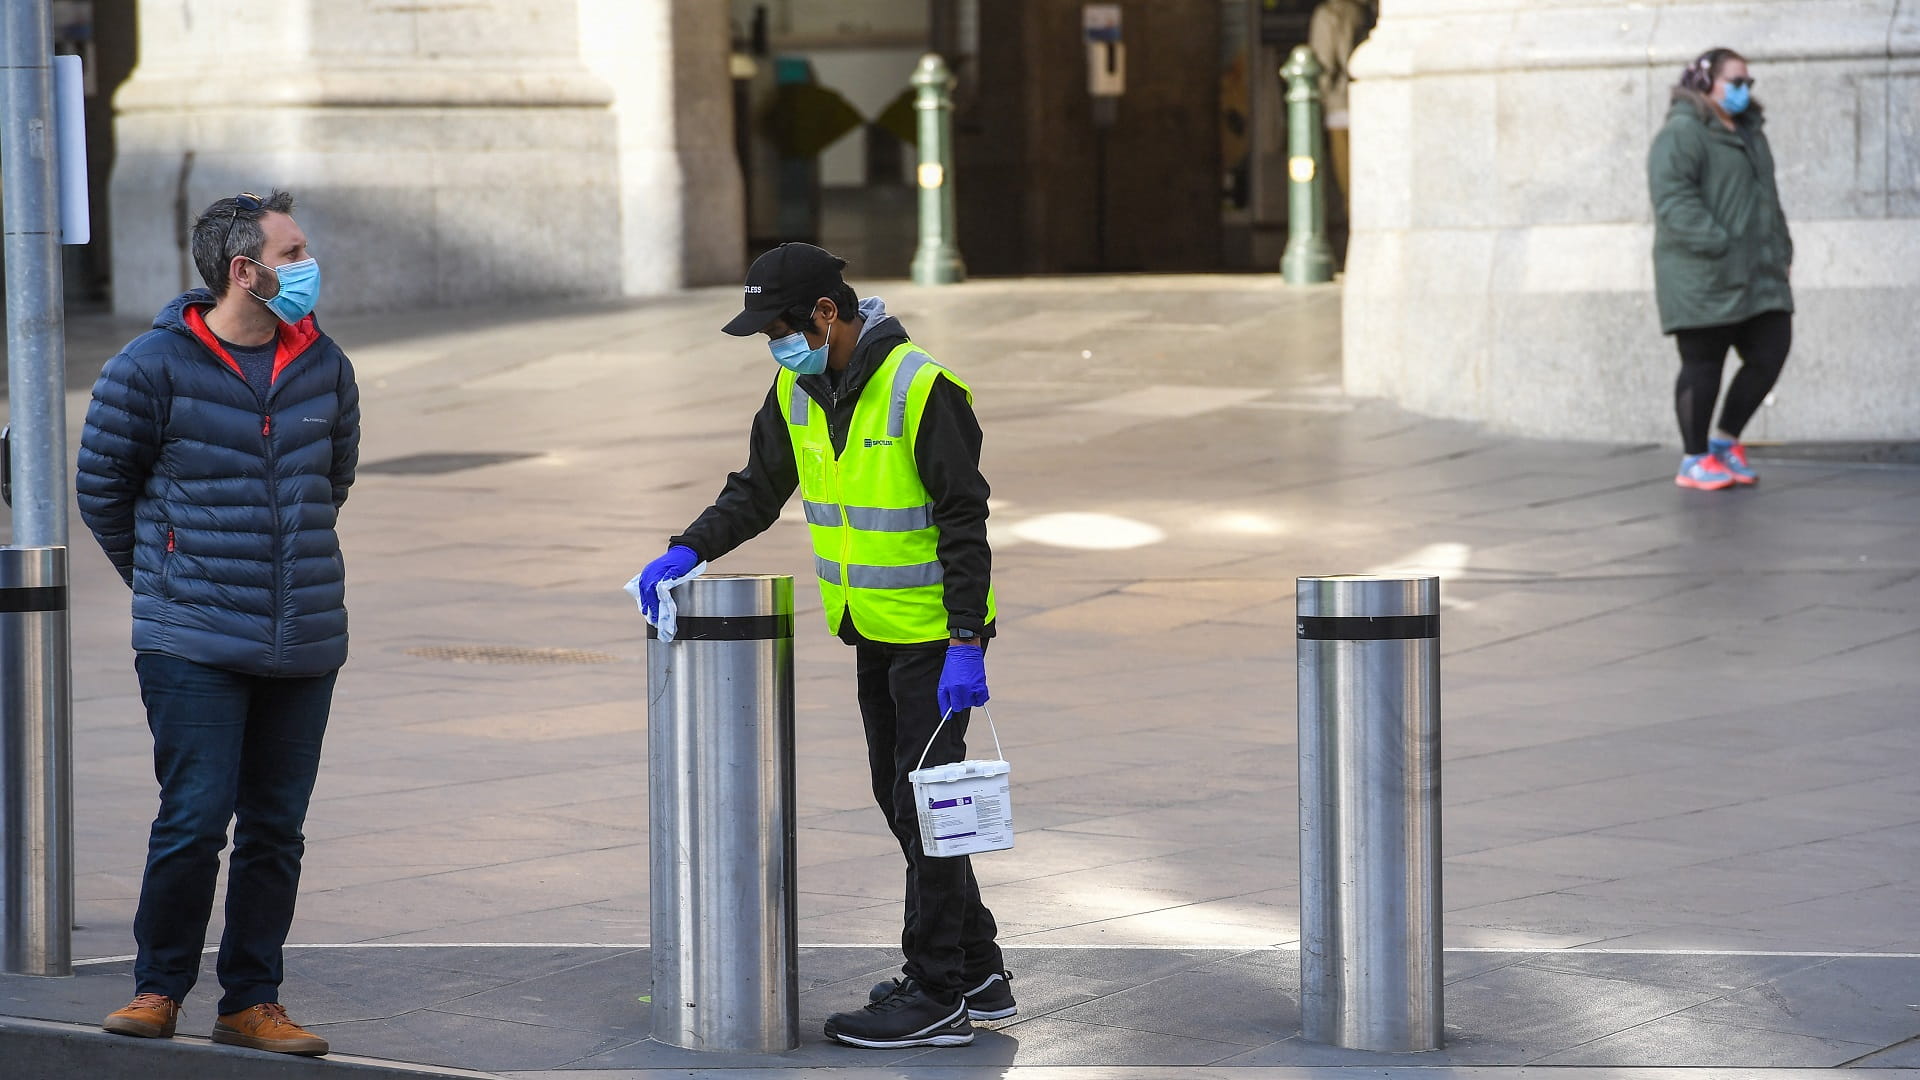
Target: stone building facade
x=1500 y=267
x=456 y=153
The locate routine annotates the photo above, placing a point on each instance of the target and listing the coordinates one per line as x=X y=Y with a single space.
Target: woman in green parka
x=1721 y=255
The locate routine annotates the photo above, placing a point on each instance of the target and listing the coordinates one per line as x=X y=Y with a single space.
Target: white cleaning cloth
x=666 y=622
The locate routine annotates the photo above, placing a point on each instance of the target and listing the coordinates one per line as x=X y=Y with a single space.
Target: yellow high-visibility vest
x=875 y=547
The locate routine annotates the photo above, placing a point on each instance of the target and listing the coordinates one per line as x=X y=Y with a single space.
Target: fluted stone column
x=1500 y=268
x=442 y=154
x=683 y=206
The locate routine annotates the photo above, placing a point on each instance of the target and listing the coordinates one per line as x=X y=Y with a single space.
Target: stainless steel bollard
x=720 y=768
x=36 y=762
x=1370 y=959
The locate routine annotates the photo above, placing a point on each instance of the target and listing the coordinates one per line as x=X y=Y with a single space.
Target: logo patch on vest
x=871 y=443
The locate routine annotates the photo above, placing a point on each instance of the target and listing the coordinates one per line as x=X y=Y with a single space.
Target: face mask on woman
x=1736 y=99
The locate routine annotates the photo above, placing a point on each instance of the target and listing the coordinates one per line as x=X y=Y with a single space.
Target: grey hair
x=226 y=229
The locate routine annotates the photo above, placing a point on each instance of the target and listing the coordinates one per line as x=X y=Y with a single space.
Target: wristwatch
x=970 y=637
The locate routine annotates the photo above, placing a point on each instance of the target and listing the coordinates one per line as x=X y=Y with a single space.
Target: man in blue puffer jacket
x=218 y=450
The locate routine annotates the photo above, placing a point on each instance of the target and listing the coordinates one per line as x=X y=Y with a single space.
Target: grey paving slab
x=1856 y=1000
x=1679 y=1040
x=1522 y=1013
x=1726 y=972
x=1904 y=1056
x=1222 y=1003
x=1052 y=1041
x=470 y=1042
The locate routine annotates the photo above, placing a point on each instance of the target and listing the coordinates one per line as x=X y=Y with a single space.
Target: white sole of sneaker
x=895 y=1044
x=997 y=1014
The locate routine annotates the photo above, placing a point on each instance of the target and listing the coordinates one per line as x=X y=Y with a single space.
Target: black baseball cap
x=783 y=279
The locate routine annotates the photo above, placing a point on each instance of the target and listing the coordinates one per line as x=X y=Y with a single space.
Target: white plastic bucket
x=967 y=807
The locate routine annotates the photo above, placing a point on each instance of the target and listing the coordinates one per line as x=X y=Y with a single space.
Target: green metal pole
x=937 y=262
x=1308 y=259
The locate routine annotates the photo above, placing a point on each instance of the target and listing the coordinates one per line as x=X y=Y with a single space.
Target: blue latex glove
x=675 y=563
x=963 y=681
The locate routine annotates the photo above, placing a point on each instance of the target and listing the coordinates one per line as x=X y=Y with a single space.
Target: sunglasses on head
x=247 y=201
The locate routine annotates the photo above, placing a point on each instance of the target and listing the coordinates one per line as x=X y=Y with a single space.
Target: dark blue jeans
x=227 y=748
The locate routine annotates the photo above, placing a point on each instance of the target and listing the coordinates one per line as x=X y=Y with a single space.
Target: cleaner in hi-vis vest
x=881 y=441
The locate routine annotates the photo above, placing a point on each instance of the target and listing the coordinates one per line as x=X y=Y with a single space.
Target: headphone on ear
x=1698 y=76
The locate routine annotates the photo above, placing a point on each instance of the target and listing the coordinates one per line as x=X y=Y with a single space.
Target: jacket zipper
x=273 y=504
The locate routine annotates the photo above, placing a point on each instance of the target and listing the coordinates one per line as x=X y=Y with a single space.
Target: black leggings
x=1762 y=342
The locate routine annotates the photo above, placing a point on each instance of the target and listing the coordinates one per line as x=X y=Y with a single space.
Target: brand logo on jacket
x=871 y=443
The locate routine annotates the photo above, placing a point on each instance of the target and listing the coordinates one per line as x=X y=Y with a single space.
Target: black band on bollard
x=21 y=599
x=1368 y=627
x=728 y=628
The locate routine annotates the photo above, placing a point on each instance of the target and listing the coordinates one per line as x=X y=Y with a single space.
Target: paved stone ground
x=554 y=1010
x=1673 y=720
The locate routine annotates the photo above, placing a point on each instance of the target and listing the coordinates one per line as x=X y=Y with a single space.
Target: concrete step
x=44 y=1050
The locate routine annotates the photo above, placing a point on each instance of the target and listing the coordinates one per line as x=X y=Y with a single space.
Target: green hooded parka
x=1721 y=250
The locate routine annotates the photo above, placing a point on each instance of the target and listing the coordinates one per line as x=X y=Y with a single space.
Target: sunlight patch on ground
x=1243 y=523
x=1087 y=532
x=1446 y=561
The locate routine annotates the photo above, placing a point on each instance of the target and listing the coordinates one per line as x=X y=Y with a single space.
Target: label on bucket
x=963 y=815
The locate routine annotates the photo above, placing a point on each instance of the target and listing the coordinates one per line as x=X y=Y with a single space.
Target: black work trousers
x=1762 y=342
x=948 y=933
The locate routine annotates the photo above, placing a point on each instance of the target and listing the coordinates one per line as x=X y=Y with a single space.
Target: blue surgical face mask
x=1737 y=100
x=299 y=289
x=795 y=356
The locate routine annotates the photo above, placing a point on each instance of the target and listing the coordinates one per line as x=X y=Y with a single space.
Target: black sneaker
x=906 y=1017
x=891 y=986
x=991 y=1000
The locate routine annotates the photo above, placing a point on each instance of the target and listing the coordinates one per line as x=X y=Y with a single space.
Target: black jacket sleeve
x=751 y=500
x=947 y=451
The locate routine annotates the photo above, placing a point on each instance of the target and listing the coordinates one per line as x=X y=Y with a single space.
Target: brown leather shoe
x=266 y=1027
x=150 y=1016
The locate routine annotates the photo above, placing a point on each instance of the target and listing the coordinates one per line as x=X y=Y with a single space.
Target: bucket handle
x=997 y=752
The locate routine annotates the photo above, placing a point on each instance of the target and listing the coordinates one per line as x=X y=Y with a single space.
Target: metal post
x=1370 y=963
x=937 y=262
x=1308 y=259
x=36 y=361
x=36 y=738
x=720 y=757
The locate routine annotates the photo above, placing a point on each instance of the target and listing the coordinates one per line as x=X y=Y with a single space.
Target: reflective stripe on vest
x=860 y=576
x=797 y=406
x=902 y=385
x=874 y=541
x=870 y=518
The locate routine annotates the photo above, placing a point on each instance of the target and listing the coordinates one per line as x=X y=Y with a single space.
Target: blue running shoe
x=1733 y=458
x=1703 y=472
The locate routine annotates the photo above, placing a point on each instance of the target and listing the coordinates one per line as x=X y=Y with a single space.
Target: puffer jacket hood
x=218 y=508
